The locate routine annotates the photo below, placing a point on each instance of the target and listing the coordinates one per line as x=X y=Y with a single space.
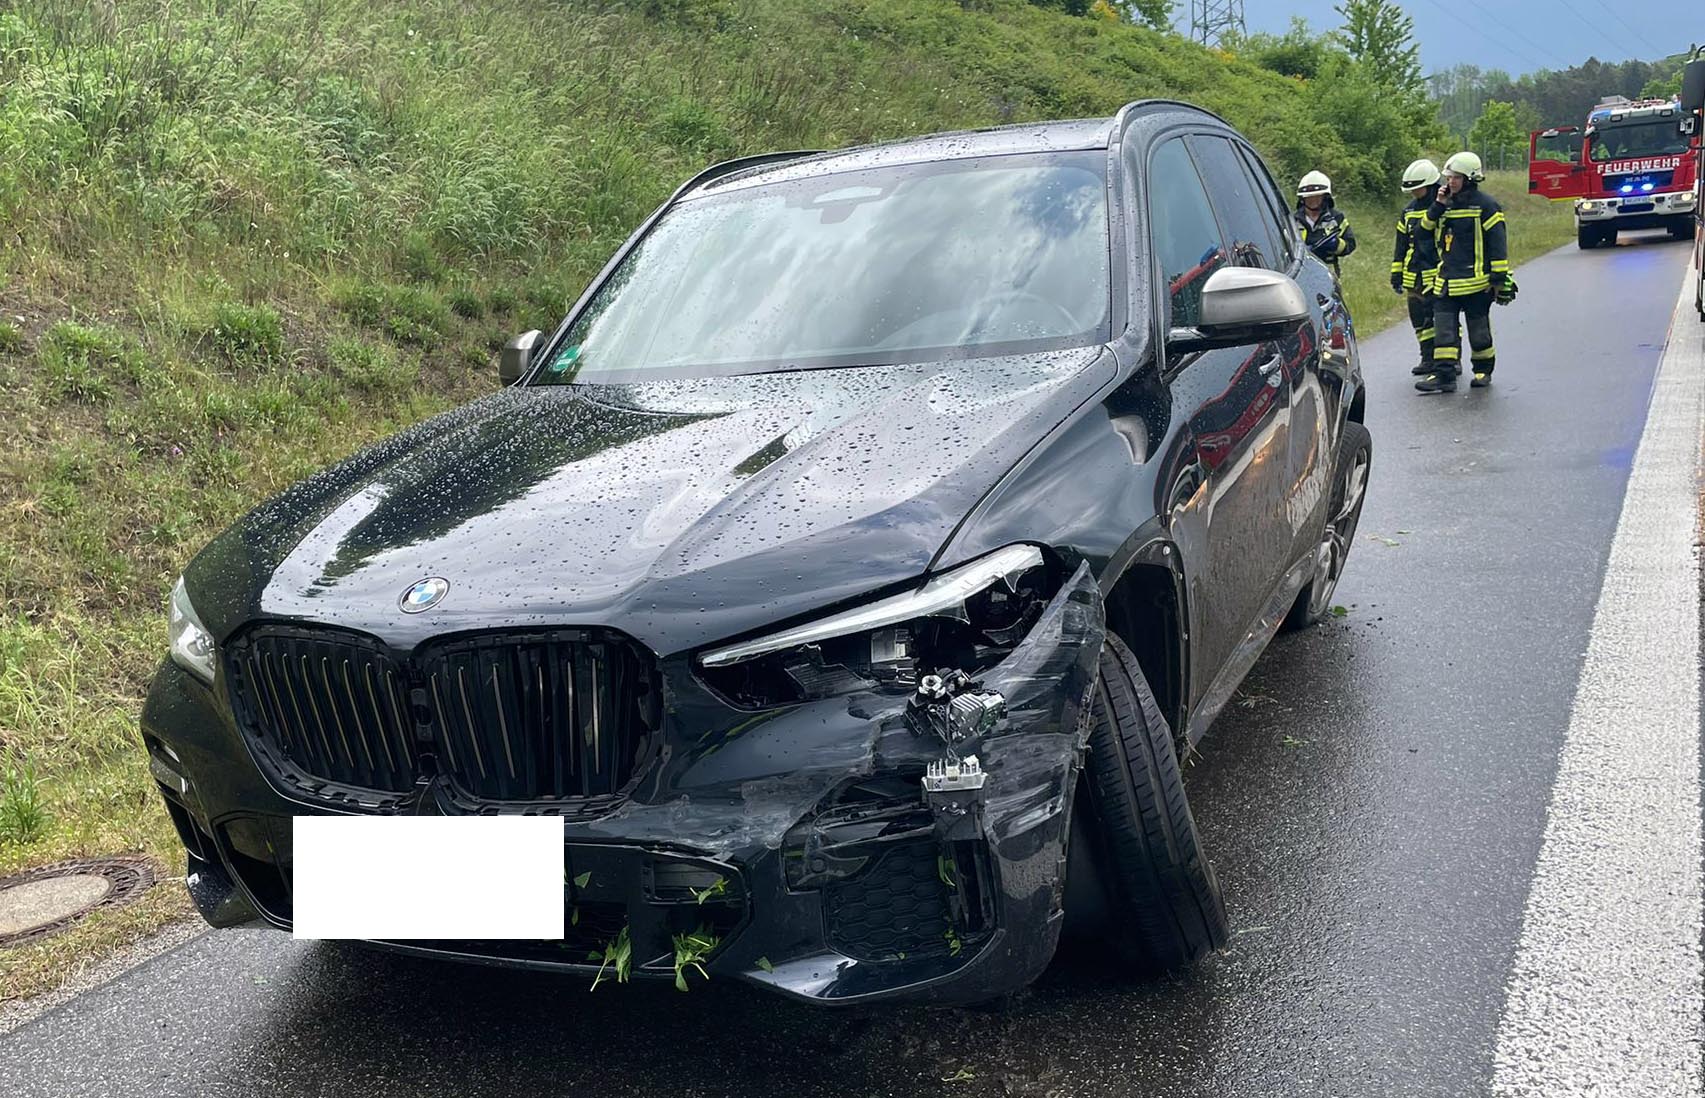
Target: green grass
x=243 y=240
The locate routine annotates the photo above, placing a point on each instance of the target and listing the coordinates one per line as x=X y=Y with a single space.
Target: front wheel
x=1143 y=883
x=1349 y=492
x=1681 y=229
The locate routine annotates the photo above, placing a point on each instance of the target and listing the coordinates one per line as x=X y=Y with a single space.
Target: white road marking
x=1607 y=990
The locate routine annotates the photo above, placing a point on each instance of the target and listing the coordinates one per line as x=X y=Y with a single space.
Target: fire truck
x=1692 y=126
x=1630 y=167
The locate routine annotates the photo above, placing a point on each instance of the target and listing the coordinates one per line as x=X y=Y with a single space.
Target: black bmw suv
x=848 y=570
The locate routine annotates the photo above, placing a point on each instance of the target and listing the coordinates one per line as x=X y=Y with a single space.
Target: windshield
x=956 y=259
x=1627 y=141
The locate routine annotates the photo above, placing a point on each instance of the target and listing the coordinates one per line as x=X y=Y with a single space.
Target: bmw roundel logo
x=424 y=595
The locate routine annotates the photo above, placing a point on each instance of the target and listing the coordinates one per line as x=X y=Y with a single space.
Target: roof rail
x=739 y=163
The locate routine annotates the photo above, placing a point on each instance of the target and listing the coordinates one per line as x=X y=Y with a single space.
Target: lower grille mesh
x=896 y=907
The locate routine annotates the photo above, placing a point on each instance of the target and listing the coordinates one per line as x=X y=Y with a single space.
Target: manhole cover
x=39 y=902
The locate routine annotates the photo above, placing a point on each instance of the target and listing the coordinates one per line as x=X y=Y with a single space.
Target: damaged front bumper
x=877 y=844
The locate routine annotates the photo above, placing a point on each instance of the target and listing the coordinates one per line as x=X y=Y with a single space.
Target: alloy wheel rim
x=1334 y=547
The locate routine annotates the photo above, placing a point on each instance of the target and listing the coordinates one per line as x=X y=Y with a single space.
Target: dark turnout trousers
x=1421 y=319
x=1449 y=315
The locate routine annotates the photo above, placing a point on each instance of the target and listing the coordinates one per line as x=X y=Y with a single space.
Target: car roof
x=1034 y=137
x=1024 y=137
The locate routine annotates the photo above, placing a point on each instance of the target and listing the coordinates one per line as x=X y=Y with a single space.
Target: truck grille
x=503 y=717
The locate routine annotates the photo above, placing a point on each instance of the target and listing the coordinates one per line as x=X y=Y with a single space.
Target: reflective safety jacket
x=1416 y=254
x=1473 y=252
x=1331 y=237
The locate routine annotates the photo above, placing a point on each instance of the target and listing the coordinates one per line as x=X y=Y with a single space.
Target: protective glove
x=1396 y=282
x=1326 y=247
x=1505 y=291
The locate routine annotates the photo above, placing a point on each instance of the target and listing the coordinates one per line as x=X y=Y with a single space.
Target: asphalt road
x=1374 y=800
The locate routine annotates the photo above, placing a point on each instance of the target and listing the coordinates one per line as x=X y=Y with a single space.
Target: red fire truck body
x=1692 y=125
x=1631 y=167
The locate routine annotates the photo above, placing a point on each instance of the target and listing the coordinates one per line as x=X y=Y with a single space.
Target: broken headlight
x=966 y=620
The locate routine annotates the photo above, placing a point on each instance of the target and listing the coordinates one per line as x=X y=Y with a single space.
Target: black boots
x=1439 y=381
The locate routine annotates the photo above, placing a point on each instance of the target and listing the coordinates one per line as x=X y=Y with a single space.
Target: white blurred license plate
x=405 y=877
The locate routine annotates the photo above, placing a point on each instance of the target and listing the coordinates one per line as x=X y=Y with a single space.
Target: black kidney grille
x=508 y=717
x=335 y=709
x=539 y=717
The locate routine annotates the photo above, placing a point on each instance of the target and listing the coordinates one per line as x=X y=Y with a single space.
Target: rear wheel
x=1146 y=892
x=1349 y=492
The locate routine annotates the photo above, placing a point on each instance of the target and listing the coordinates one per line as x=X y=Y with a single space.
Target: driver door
x=1554 y=163
x=1229 y=520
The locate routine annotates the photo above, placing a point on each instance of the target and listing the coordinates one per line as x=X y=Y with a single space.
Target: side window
x=1274 y=203
x=1253 y=241
x=1187 y=241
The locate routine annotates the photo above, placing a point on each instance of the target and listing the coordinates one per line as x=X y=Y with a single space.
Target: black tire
x=1344 y=514
x=1586 y=237
x=1681 y=230
x=1161 y=904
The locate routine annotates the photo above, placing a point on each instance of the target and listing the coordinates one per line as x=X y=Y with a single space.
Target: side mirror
x=1693 y=85
x=1243 y=305
x=517 y=355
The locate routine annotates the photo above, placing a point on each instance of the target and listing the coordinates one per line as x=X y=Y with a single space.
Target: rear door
x=1236 y=402
x=1244 y=214
x=1554 y=168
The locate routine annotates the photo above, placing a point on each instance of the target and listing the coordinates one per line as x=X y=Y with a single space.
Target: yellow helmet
x=1422 y=173
x=1314 y=183
x=1466 y=164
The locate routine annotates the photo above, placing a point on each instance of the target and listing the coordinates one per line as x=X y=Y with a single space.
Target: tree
x=1662 y=87
x=1297 y=52
x=1380 y=36
x=1155 y=13
x=1497 y=136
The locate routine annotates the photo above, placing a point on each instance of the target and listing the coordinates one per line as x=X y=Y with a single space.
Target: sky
x=1514 y=35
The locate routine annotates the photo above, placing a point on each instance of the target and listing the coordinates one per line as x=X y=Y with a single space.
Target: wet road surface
x=1374 y=800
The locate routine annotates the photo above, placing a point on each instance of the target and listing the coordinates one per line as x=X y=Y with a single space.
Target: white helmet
x=1422 y=173
x=1314 y=183
x=1466 y=164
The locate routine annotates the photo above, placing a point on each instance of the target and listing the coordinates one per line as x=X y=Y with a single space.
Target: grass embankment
x=242 y=240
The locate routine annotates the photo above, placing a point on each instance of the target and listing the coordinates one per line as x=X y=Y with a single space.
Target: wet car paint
x=1373 y=799
x=683 y=512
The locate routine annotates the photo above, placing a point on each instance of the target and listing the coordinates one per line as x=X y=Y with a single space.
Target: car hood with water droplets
x=679 y=512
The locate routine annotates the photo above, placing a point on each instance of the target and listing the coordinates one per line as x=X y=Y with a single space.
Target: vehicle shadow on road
x=356 y=1020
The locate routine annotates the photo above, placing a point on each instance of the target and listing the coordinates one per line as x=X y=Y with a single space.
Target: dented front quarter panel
x=737 y=790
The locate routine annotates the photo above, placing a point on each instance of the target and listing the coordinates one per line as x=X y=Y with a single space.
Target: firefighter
x=1415 y=257
x=1473 y=272
x=1324 y=229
